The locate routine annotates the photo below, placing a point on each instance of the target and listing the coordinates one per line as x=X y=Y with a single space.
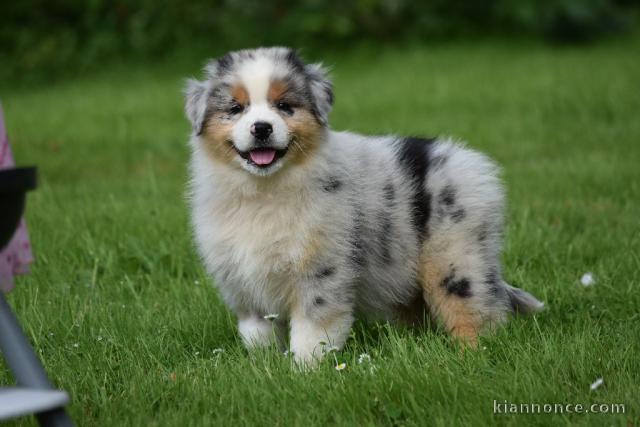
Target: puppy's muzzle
x=261 y=131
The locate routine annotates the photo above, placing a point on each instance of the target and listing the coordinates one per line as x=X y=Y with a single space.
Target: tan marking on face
x=454 y=312
x=240 y=94
x=305 y=134
x=277 y=89
x=217 y=139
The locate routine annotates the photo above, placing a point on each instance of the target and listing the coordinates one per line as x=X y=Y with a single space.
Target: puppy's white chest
x=255 y=247
x=266 y=237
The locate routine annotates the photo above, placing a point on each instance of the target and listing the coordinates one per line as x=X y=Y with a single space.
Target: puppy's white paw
x=257 y=331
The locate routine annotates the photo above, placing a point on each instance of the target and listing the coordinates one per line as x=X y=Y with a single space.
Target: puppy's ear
x=195 y=94
x=321 y=90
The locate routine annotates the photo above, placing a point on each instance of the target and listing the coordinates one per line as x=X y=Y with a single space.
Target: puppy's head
x=260 y=109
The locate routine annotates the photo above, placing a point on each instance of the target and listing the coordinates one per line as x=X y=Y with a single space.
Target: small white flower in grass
x=341 y=366
x=597 y=383
x=271 y=317
x=218 y=350
x=587 y=279
x=364 y=357
x=76 y=345
x=197 y=353
x=50 y=334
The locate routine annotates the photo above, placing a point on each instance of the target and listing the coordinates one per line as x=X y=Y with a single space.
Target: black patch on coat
x=223 y=64
x=325 y=272
x=460 y=287
x=386 y=228
x=294 y=60
x=458 y=215
x=437 y=162
x=483 y=233
x=319 y=301
x=389 y=194
x=493 y=282
x=358 y=248
x=413 y=154
x=447 y=196
x=447 y=205
x=386 y=224
x=331 y=184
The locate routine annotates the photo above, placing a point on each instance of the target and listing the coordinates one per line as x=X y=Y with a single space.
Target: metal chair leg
x=25 y=365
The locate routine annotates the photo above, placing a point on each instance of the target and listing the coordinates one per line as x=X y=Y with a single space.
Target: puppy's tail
x=523 y=302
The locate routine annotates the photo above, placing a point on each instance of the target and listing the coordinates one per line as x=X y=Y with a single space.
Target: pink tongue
x=262 y=157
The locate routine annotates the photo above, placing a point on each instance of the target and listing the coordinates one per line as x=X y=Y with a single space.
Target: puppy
x=318 y=227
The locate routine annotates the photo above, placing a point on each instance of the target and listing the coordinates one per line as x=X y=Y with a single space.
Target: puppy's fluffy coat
x=319 y=227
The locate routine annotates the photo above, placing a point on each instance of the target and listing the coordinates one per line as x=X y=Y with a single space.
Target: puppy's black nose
x=261 y=130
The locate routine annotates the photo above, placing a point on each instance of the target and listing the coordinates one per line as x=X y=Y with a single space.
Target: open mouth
x=262 y=157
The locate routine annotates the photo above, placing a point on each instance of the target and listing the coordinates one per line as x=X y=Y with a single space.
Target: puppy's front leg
x=317 y=328
x=323 y=311
x=256 y=331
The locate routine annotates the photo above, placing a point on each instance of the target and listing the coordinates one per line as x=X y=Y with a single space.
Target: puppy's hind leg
x=462 y=288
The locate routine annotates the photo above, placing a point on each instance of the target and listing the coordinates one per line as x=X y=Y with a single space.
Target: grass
x=125 y=318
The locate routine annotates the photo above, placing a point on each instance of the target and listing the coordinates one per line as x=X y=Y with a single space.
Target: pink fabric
x=16 y=256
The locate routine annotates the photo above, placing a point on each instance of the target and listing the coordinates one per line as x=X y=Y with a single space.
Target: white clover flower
x=341 y=366
x=271 y=317
x=364 y=357
x=597 y=383
x=587 y=279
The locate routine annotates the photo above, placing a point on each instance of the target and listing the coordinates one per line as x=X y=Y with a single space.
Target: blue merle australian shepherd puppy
x=319 y=227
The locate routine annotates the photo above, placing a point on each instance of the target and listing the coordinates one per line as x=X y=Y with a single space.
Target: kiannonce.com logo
x=506 y=407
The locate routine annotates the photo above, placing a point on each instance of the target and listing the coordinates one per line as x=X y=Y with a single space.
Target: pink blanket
x=16 y=256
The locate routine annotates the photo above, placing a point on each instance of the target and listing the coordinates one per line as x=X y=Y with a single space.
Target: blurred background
x=117 y=302
x=66 y=37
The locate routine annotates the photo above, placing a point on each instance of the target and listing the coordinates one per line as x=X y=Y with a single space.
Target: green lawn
x=126 y=320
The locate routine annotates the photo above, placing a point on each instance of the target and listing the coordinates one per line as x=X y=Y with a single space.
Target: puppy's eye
x=284 y=106
x=236 y=109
